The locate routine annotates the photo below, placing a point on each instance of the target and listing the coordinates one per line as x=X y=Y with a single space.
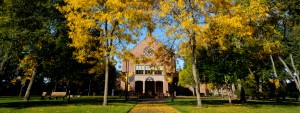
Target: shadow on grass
x=19 y=104
x=218 y=102
x=259 y=103
x=194 y=102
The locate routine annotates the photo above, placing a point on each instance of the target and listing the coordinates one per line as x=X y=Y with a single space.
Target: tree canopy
x=221 y=41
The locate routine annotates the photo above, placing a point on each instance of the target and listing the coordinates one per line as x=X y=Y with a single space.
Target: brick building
x=147 y=78
x=150 y=78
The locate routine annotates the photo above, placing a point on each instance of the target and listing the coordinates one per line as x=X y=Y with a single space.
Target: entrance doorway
x=139 y=88
x=159 y=87
x=149 y=89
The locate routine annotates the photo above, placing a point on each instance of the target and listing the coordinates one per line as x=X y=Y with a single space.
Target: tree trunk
x=242 y=95
x=295 y=77
x=89 y=88
x=69 y=92
x=5 y=58
x=194 y=62
x=27 y=94
x=229 y=97
x=126 y=82
x=20 y=94
x=172 y=89
x=229 y=94
x=106 y=81
x=216 y=91
x=55 y=87
x=273 y=65
x=199 y=104
x=233 y=87
x=205 y=92
x=222 y=95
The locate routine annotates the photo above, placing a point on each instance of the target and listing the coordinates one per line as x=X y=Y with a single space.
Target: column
x=143 y=87
x=154 y=87
x=165 y=87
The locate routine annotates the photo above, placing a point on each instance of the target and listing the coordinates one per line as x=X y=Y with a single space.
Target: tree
x=98 y=27
x=5 y=26
x=291 y=17
x=287 y=20
x=184 y=19
x=8 y=53
x=247 y=26
x=221 y=24
x=186 y=76
x=32 y=24
x=295 y=74
x=222 y=68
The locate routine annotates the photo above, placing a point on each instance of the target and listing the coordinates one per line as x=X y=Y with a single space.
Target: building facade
x=147 y=78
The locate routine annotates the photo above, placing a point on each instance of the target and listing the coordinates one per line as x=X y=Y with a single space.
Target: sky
x=159 y=33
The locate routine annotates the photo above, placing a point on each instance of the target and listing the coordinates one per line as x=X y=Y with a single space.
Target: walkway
x=153 y=106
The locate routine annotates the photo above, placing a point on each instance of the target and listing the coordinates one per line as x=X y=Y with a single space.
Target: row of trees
x=35 y=55
x=240 y=40
x=218 y=37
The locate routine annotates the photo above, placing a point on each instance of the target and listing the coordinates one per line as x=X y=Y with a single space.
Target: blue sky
x=159 y=33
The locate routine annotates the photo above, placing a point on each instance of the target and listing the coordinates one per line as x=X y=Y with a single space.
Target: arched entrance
x=149 y=87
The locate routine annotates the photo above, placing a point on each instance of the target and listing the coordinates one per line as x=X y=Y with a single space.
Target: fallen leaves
x=153 y=108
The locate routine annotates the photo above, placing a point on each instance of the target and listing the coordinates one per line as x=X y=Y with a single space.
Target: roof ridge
x=142 y=41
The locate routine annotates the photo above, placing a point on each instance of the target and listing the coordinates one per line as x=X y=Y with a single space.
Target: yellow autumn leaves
x=28 y=64
x=222 y=22
x=96 y=25
x=153 y=108
x=210 y=21
x=237 y=20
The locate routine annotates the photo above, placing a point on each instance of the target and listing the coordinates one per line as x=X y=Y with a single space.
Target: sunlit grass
x=217 y=105
x=77 y=105
x=93 y=104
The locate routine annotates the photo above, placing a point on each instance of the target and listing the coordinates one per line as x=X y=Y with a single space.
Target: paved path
x=153 y=106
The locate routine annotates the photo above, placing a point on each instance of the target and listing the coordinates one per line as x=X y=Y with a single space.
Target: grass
x=93 y=104
x=218 y=105
x=77 y=105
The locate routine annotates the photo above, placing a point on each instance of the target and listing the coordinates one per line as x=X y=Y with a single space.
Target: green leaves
x=186 y=76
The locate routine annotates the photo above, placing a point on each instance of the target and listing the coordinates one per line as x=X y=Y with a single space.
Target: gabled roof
x=145 y=39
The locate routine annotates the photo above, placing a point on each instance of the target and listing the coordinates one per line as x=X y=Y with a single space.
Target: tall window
x=158 y=70
x=148 y=70
x=139 y=69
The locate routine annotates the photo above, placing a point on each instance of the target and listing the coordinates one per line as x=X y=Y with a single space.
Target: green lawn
x=185 y=105
x=77 y=105
x=216 y=105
